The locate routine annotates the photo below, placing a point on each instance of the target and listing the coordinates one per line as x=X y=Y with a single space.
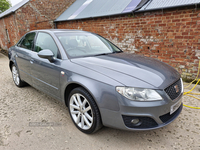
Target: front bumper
x=149 y=123
x=152 y=115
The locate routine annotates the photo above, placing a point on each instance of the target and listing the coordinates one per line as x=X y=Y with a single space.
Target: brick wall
x=172 y=36
x=36 y=14
x=9 y=24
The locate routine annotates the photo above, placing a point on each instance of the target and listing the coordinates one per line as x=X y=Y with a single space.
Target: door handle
x=31 y=61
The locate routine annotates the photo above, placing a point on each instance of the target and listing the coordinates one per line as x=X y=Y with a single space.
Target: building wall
x=172 y=36
x=8 y=23
x=36 y=14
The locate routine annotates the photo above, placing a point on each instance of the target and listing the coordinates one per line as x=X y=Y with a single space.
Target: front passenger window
x=45 y=41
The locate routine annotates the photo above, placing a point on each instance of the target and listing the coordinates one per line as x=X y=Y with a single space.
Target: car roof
x=61 y=30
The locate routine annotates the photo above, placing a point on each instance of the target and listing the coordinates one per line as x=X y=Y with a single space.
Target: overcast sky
x=14 y=2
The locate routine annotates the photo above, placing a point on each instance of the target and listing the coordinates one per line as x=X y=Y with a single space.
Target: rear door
x=24 y=56
x=46 y=75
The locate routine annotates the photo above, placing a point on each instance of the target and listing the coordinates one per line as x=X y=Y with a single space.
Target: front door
x=46 y=75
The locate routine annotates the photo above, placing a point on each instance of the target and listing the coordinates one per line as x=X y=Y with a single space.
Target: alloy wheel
x=81 y=111
x=15 y=75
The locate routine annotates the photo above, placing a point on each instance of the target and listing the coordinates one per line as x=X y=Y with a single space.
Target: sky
x=14 y=2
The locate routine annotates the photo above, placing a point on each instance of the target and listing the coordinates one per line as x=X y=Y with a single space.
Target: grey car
x=99 y=83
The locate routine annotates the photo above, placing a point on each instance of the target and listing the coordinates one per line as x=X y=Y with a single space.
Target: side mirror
x=46 y=54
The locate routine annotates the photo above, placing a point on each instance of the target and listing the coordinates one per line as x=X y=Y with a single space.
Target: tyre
x=84 y=111
x=16 y=78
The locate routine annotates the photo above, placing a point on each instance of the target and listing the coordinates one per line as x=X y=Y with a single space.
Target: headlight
x=138 y=94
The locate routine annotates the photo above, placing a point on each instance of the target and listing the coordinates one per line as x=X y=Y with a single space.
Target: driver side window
x=45 y=41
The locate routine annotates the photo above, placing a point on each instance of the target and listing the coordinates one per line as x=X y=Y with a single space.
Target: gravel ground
x=32 y=120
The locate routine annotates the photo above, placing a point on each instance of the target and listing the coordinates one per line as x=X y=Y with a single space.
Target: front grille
x=172 y=92
x=146 y=122
x=167 y=117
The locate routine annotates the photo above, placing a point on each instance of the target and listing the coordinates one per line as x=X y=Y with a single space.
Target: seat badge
x=176 y=88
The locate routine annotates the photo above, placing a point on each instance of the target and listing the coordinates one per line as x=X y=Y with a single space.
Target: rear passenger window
x=45 y=41
x=28 y=41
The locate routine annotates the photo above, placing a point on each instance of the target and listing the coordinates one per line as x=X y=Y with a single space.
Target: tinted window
x=45 y=41
x=28 y=41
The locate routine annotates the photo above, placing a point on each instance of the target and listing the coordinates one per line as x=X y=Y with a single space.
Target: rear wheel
x=16 y=78
x=84 y=111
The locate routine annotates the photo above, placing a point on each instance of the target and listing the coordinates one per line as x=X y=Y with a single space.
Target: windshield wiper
x=118 y=52
x=108 y=53
x=102 y=54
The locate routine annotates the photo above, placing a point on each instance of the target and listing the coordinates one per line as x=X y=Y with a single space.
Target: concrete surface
x=31 y=120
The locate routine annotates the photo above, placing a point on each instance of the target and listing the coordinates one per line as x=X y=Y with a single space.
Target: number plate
x=175 y=107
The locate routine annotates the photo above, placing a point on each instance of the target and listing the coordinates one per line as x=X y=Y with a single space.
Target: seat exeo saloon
x=99 y=83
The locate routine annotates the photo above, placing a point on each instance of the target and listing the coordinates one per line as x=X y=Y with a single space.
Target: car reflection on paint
x=100 y=85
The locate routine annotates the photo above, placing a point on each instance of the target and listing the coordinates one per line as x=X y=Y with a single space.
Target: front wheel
x=16 y=78
x=84 y=111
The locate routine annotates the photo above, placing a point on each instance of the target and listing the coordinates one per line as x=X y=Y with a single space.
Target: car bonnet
x=130 y=68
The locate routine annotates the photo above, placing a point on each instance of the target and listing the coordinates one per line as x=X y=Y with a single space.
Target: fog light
x=136 y=122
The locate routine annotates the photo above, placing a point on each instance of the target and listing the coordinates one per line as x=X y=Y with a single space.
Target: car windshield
x=86 y=44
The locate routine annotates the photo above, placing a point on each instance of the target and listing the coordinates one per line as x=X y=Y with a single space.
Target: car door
x=46 y=74
x=23 y=56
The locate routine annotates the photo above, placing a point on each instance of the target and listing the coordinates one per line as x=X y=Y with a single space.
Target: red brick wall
x=40 y=14
x=8 y=23
x=51 y=8
x=36 y=14
x=3 y=43
x=172 y=36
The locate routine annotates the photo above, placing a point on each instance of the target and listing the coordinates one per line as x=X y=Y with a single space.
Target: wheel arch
x=72 y=86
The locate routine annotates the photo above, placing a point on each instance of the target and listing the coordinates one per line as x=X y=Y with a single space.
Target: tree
x=4 y=5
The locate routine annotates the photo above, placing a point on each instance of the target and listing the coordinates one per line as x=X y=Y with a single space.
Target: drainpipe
x=55 y=25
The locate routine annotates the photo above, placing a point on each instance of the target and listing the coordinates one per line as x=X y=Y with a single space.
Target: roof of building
x=14 y=8
x=82 y=9
x=162 y=4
